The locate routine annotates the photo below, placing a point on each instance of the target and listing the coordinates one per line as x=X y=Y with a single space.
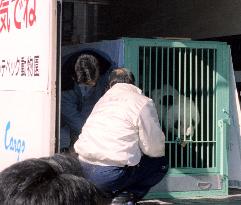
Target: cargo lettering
x=12 y=143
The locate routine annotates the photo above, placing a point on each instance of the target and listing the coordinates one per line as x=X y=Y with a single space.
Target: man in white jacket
x=122 y=147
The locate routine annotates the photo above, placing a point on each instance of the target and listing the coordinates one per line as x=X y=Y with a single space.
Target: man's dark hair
x=53 y=180
x=121 y=75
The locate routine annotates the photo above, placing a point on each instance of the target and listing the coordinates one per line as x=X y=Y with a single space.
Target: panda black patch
x=167 y=100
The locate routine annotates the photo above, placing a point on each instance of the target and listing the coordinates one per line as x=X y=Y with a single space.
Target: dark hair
x=121 y=75
x=90 y=62
x=53 y=180
x=86 y=69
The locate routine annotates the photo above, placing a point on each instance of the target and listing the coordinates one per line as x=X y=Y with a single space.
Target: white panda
x=170 y=108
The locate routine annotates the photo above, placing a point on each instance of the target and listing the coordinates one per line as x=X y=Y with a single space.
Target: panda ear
x=167 y=100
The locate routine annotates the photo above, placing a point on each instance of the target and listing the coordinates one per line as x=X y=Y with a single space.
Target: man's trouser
x=134 y=179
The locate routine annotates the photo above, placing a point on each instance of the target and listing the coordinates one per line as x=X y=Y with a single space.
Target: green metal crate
x=198 y=72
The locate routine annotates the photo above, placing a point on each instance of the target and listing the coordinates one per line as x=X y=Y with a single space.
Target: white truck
x=28 y=76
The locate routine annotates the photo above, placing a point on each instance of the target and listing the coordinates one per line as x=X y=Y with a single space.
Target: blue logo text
x=13 y=144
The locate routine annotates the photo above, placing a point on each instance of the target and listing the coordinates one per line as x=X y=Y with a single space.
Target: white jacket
x=122 y=126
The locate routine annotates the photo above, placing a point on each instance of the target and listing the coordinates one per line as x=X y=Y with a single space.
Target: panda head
x=178 y=114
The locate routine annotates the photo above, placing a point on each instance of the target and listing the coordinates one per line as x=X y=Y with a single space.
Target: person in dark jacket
x=84 y=80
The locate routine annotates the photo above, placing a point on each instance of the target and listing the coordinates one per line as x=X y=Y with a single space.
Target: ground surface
x=234 y=198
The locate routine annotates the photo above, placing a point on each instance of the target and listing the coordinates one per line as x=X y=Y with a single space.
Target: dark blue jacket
x=76 y=102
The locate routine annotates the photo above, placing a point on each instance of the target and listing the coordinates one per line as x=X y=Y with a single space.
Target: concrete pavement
x=234 y=198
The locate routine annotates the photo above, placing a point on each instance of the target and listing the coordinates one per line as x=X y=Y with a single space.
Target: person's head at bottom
x=54 y=180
